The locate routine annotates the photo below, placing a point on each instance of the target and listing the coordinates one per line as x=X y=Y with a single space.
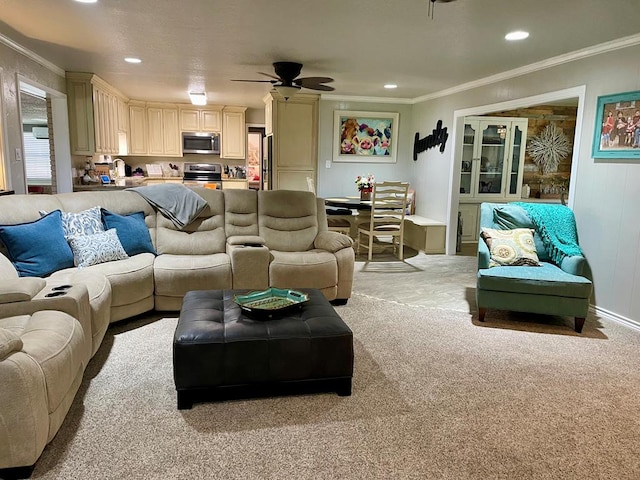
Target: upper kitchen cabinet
x=163 y=133
x=492 y=158
x=234 y=135
x=201 y=119
x=154 y=129
x=95 y=115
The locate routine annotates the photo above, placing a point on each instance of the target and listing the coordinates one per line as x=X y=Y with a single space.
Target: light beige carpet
x=435 y=396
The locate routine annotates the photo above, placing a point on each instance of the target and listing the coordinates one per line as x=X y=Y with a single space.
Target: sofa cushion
x=37 y=248
x=510 y=247
x=288 y=219
x=310 y=269
x=132 y=231
x=175 y=275
x=97 y=248
x=545 y=280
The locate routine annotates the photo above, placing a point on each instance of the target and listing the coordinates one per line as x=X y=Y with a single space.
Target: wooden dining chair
x=388 y=208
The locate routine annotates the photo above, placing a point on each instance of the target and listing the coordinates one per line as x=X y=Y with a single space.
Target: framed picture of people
x=617 y=130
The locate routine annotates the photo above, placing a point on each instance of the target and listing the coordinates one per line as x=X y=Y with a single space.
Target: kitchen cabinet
x=163 y=133
x=294 y=124
x=200 y=119
x=235 y=184
x=154 y=130
x=94 y=123
x=234 y=134
x=492 y=162
x=137 y=128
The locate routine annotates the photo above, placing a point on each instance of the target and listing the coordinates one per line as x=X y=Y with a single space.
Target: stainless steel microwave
x=207 y=143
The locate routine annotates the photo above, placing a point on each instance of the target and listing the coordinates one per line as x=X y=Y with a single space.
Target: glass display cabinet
x=493 y=151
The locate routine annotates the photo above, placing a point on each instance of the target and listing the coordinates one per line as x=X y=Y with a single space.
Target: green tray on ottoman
x=270 y=302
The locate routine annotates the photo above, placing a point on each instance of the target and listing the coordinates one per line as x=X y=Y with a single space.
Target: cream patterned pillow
x=87 y=222
x=98 y=248
x=511 y=247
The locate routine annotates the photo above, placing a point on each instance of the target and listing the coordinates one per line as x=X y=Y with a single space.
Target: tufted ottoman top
x=216 y=344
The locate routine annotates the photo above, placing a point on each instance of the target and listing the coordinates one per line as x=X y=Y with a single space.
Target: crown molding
x=535 y=67
x=355 y=98
x=31 y=55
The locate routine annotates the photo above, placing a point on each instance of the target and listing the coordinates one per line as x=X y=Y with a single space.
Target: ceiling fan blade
x=255 y=81
x=312 y=80
x=319 y=86
x=271 y=76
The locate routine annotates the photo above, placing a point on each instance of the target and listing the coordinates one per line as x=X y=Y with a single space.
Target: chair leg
x=370 y=246
x=579 y=323
x=481 y=313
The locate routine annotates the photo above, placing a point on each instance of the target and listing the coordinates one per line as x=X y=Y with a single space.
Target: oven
x=207 y=175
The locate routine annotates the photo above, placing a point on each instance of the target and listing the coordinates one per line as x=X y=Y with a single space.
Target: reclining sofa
x=51 y=327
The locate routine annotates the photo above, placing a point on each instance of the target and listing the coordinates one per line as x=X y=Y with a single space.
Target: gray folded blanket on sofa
x=176 y=202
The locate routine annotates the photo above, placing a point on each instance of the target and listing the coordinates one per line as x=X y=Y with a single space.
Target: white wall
x=607 y=192
x=339 y=180
x=14 y=64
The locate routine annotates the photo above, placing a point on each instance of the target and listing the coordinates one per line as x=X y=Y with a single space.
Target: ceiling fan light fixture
x=286 y=91
x=198 y=98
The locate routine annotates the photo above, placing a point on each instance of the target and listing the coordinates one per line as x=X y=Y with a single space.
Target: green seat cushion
x=547 y=279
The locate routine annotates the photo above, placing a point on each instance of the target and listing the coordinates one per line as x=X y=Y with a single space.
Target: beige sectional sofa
x=243 y=239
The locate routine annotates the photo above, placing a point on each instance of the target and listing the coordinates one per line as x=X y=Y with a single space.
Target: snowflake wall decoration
x=549 y=148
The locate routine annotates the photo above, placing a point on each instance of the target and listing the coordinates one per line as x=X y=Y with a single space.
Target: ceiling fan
x=285 y=80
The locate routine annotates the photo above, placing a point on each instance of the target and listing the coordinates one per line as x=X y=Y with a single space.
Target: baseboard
x=615 y=317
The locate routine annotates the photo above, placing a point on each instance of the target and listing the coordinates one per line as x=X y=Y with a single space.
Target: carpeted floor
x=436 y=395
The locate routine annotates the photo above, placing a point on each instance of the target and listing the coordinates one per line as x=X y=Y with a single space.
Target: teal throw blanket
x=556 y=225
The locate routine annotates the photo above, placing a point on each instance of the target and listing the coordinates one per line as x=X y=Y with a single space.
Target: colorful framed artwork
x=617 y=131
x=365 y=137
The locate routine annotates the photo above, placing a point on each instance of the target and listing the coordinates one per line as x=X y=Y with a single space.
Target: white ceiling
x=203 y=44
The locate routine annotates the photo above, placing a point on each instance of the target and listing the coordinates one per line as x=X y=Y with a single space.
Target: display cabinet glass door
x=468 y=154
x=492 y=158
x=517 y=156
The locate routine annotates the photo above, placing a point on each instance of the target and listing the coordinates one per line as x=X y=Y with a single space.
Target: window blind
x=37 y=159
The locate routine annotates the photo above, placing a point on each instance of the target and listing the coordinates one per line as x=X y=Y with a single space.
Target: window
x=37 y=159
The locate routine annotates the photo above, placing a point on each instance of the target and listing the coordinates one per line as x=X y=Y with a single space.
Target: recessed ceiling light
x=518 y=35
x=391 y=85
x=132 y=60
x=87 y=1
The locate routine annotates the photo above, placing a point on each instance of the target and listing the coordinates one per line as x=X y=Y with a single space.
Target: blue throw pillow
x=132 y=231
x=38 y=248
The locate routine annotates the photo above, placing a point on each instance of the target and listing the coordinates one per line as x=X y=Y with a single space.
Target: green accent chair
x=554 y=288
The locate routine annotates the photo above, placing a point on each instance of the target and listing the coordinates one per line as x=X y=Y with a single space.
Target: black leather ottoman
x=218 y=351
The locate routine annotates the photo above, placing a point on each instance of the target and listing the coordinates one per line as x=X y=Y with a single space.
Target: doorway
x=576 y=95
x=45 y=138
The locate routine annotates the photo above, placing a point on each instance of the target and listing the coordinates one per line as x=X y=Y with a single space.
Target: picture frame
x=617 y=126
x=365 y=137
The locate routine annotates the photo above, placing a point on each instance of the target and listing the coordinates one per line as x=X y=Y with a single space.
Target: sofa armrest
x=246 y=240
x=573 y=265
x=483 y=254
x=20 y=289
x=9 y=343
x=332 y=241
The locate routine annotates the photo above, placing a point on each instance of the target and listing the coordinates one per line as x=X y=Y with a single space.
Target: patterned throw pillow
x=511 y=247
x=98 y=248
x=87 y=222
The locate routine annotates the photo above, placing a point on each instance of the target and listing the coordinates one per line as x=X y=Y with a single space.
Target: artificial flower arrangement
x=365 y=183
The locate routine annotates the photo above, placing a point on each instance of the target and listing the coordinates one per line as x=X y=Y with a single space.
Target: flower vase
x=365 y=194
